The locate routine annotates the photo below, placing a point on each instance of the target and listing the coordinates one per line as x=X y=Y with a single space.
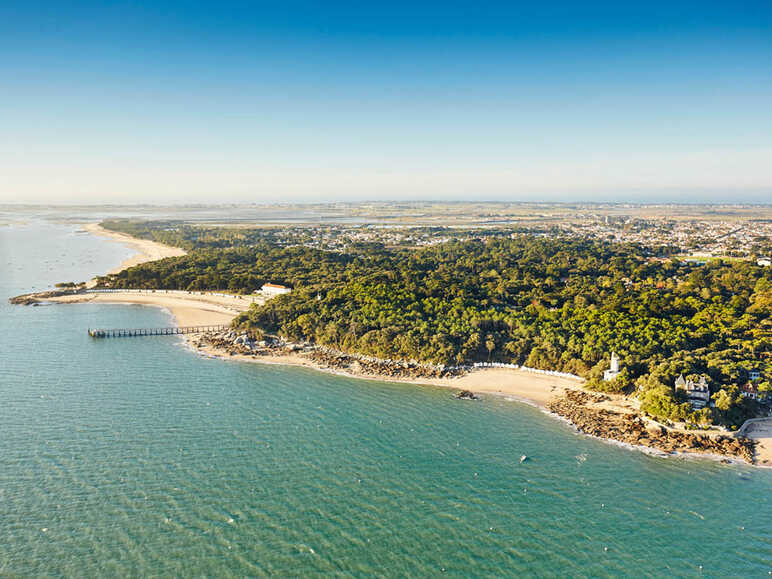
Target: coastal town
x=693 y=237
x=696 y=232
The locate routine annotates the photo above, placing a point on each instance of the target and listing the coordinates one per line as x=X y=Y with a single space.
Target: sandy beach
x=535 y=389
x=214 y=308
x=146 y=250
x=761 y=432
x=188 y=309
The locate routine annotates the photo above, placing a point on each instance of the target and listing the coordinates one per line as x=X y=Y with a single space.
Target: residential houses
x=697 y=392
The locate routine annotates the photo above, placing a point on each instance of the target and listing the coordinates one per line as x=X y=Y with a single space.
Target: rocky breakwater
x=379 y=367
x=580 y=408
x=233 y=343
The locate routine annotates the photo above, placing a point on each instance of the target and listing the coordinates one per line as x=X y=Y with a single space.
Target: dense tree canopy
x=547 y=303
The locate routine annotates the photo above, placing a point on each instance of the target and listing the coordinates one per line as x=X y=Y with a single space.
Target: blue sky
x=309 y=101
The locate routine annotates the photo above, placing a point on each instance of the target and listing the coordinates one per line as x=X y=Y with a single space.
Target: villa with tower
x=697 y=392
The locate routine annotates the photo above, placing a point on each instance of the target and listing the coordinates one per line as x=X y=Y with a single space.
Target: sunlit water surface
x=134 y=457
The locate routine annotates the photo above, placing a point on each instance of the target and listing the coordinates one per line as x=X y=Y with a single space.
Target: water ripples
x=137 y=457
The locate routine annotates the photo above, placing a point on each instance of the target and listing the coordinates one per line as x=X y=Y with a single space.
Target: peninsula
x=511 y=313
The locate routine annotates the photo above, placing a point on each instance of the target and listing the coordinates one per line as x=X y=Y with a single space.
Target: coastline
x=188 y=309
x=534 y=389
x=146 y=250
x=545 y=392
x=542 y=391
x=612 y=418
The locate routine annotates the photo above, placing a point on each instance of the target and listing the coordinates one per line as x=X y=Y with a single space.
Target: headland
x=607 y=416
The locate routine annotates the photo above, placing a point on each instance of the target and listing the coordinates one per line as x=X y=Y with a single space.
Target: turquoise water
x=136 y=457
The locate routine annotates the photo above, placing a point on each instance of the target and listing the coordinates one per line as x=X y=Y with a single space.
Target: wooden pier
x=168 y=331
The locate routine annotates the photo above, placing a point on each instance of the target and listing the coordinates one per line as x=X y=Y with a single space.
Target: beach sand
x=204 y=308
x=535 y=389
x=761 y=432
x=188 y=309
x=146 y=250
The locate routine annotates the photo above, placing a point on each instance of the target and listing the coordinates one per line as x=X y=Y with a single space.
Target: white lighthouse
x=613 y=371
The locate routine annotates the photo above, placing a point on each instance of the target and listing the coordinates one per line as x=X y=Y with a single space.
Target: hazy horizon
x=312 y=102
x=680 y=200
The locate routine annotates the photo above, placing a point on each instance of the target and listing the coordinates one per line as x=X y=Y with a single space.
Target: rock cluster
x=466 y=395
x=630 y=428
x=370 y=366
x=232 y=342
x=34 y=298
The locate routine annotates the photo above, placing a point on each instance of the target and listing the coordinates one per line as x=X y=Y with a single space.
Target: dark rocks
x=233 y=342
x=376 y=367
x=631 y=429
x=466 y=395
x=35 y=298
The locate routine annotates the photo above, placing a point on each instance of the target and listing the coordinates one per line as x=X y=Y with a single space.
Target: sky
x=292 y=101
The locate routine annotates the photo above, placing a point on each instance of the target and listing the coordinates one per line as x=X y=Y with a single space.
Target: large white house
x=697 y=392
x=274 y=289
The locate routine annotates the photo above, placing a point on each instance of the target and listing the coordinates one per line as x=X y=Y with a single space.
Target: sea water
x=136 y=457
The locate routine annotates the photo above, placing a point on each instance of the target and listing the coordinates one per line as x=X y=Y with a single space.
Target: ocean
x=138 y=457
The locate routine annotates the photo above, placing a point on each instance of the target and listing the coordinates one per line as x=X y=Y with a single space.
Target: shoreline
x=626 y=425
x=538 y=390
x=541 y=391
x=532 y=389
x=146 y=250
x=188 y=309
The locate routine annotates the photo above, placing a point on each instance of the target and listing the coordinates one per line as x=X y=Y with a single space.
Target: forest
x=551 y=303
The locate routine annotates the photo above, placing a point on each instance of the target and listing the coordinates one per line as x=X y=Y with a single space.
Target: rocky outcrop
x=232 y=342
x=576 y=407
x=34 y=298
x=378 y=367
x=466 y=395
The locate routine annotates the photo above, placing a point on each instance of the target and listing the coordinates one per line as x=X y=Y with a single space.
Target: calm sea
x=136 y=457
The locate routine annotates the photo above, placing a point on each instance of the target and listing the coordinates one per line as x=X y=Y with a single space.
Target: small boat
x=523 y=459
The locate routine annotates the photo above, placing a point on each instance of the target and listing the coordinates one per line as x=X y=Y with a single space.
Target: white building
x=274 y=289
x=613 y=371
x=697 y=392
